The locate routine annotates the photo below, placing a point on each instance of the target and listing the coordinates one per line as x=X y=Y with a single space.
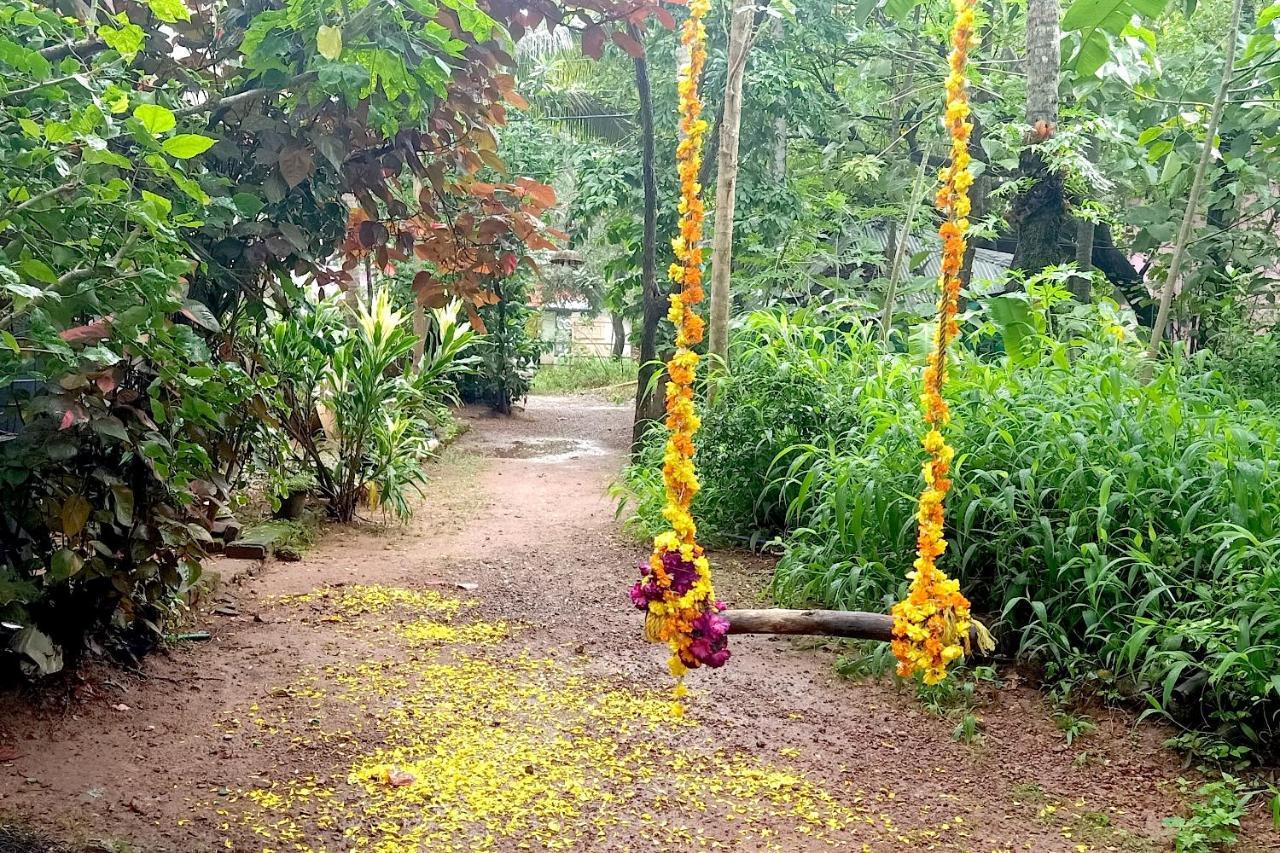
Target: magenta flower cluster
x=710 y=644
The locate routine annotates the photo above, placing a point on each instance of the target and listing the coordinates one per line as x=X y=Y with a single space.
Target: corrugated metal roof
x=989 y=266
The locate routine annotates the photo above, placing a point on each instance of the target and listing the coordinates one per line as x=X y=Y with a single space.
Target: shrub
x=509 y=358
x=1121 y=535
x=353 y=408
x=111 y=475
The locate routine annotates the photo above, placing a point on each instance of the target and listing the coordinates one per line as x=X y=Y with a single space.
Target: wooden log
x=854 y=624
x=824 y=623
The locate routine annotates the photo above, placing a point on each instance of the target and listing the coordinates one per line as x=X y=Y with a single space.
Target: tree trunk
x=420 y=330
x=741 y=33
x=619 y=335
x=649 y=403
x=855 y=624
x=1193 y=195
x=1082 y=285
x=1040 y=212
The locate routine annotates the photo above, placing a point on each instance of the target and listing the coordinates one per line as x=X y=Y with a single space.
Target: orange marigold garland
x=931 y=627
x=675 y=585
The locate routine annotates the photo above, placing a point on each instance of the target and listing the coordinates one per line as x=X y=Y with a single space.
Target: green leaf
x=112 y=427
x=170 y=11
x=329 y=41
x=26 y=60
x=159 y=205
x=896 y=10
x=1094 y=52
x=11 y=342
x=56 y=131
x=126 y=41
x=472 y=19
x=248 y=204
x=862 y=11
x=198 y=313
x=156 y=119
x=75 y=513
x=30 y=128
x=116 y=99
x=95 y=156
x=1150 y=135
x=39 y=270
x=124 y=504
x=184 y=146
x=64 y=564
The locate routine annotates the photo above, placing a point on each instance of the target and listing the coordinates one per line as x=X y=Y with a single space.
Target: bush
x=1249 y=361
x=1120 y=534
x=111 y=473
x=355 y=411
x=509 y=358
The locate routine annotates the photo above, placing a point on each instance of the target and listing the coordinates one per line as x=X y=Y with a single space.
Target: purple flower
x=682 y=572
x=645 y=590
x=710 y=646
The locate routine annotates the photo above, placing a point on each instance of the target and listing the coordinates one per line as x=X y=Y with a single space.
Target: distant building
x=566 y=323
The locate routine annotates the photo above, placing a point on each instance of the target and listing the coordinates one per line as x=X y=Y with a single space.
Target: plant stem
x=1193 y=196
x=900 y=251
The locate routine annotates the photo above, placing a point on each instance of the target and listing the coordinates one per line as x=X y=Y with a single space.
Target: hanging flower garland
x=931 y=627
x=675 y=585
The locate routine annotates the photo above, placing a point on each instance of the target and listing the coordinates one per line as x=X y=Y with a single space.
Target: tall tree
x=1040 y=212
x=1192 y=211
x=743 y=28
x=649 y=401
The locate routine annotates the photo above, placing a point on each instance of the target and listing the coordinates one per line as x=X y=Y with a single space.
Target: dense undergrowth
x=1124 y=537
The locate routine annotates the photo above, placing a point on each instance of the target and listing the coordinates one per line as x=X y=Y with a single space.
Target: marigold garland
x=675 y=585
x=931 y=627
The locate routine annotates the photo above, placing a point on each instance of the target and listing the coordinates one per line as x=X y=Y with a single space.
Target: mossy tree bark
x=1040 y=211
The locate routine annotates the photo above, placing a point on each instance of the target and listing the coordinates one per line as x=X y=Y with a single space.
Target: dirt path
x=477 y=681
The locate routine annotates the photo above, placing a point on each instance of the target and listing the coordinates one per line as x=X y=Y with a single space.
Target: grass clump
x=586 y=373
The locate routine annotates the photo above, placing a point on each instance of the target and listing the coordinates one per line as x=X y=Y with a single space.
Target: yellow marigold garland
x=675 y=585
x=931 y=627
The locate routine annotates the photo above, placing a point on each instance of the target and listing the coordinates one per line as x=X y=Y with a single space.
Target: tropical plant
x=349 y=405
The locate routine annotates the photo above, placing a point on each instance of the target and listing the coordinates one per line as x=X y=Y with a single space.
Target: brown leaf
x=296 y=165
x=372 y=234
x=542 y=194
x=593 y=41
x=398 y=778
x=633 y=48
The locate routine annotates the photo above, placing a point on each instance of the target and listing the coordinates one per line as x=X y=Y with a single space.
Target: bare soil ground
x=476 y=680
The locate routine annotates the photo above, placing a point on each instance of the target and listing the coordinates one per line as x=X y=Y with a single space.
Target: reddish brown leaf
x=665 y=18
x=476 y=323
x=92 y=333
x=593 y=41
x=633 y=48
x=542 y=194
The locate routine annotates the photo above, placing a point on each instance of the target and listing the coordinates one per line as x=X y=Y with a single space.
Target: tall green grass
x=584 y=373
x=1125 y=537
